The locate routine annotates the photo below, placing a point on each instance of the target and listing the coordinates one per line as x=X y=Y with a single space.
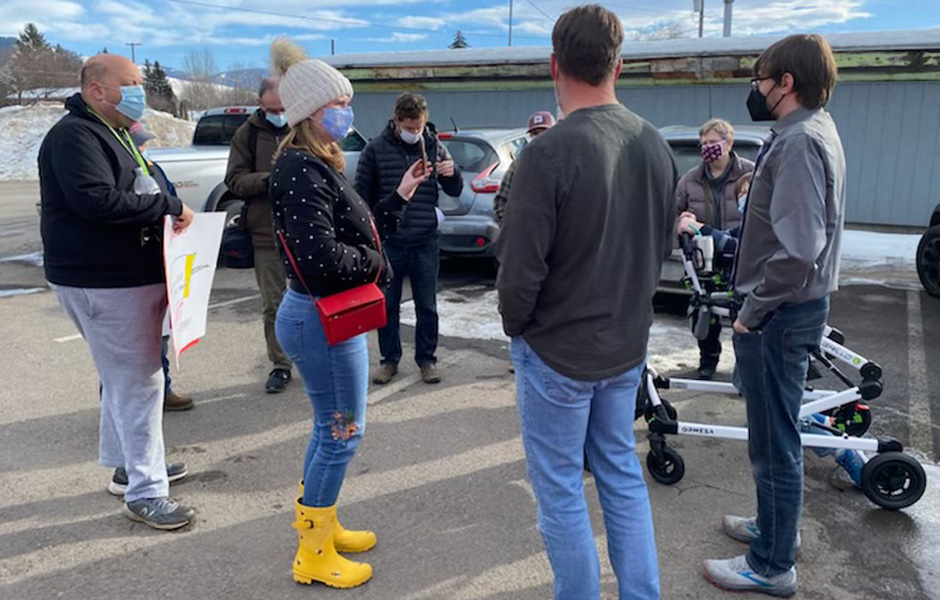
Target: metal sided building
x=887 y=103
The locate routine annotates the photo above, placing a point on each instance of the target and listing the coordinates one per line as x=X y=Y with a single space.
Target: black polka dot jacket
x=327 y=225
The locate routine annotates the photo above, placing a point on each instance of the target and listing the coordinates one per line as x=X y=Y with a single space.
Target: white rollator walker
x=891 y=479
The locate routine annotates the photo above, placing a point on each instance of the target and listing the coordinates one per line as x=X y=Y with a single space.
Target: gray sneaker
x=430 y=374
x=118 y=484
x=385 y=373
x=159 y=513
x=736 y=575
x=744 y=529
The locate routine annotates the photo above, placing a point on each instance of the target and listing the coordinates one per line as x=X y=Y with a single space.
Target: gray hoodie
x=792 y=231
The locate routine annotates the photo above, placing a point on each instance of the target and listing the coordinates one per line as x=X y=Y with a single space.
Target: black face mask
x=757 y=106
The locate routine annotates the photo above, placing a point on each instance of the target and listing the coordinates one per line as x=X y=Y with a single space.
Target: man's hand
x=445 y=168
x=182 y=222
x=740 y=328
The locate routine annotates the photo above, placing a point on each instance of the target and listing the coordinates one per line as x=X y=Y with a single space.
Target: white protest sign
x=190 y=258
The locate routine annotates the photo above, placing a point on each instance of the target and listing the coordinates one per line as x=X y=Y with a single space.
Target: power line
x=542 y=12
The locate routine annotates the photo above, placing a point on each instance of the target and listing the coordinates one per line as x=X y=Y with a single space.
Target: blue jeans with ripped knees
x=771 y=374
x=561 y=419
x=336 y=379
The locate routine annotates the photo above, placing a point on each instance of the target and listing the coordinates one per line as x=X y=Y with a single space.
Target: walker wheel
x=853 y=419
x=893 y=480
x=670 y=471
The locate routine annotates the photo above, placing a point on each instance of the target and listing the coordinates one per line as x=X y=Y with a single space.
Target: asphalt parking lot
x=440 y=475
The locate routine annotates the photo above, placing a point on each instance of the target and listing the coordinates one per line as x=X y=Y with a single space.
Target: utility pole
x=510 y=23
x=701 y=17
x=333 y=46
x=728 y=17
x=133 y=46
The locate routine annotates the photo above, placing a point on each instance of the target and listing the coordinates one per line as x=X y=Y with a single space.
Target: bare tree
x=203 y=90
x=200 y=91
x=673 y=30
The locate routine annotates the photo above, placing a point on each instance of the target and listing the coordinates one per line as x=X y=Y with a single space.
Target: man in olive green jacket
x=249 y=165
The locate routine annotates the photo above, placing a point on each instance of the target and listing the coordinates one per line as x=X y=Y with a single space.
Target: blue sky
x=237 y=32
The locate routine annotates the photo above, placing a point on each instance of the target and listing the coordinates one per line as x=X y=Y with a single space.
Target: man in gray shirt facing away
x=586 y=230
x=787 y=265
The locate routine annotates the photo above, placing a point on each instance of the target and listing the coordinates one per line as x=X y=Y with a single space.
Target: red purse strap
x=293 y=261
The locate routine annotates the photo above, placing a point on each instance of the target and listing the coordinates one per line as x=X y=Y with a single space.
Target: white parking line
x=235 y=301
x=72 y=338
x=921 y=421
x=68 y=338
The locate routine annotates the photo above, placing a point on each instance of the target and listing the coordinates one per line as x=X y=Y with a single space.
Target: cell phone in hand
x=424 y=154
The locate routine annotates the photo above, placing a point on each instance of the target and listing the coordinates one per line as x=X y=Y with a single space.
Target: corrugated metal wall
x=891 y=132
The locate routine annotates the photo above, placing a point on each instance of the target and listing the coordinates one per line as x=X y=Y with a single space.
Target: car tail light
x=235 y=111
x=481 y=242
x=483 y=183
x=445 y=136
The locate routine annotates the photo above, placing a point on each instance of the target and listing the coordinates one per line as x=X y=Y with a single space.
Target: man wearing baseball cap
x=538 y=123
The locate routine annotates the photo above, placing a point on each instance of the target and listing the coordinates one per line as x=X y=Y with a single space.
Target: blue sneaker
x=118 y=484
x=853 y=461
x=744 y=529
x=736 y=575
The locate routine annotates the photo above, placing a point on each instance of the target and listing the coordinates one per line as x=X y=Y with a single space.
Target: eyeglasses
x=755 y=83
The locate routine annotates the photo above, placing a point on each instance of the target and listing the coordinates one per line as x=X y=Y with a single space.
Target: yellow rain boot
x=316 y=558
x=347 y=540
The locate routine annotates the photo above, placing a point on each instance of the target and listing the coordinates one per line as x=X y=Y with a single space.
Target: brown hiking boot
x=175 y=402
x=385 y=373
x=430 y=374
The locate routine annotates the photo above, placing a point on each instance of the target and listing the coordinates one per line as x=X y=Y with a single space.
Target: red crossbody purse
x=352 y=312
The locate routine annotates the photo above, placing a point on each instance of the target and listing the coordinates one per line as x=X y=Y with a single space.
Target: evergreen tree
x=160 y=94
x=31 y=39
x=459 y=42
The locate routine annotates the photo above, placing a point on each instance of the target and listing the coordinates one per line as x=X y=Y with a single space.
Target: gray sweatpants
x=122 y=327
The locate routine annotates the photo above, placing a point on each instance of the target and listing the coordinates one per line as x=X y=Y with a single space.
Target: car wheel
x=928 y=261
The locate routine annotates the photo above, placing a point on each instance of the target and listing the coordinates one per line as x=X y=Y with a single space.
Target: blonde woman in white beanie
x=326 y=232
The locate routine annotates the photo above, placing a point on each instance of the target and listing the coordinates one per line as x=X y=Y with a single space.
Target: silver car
x=684 y=142
x=484 y=155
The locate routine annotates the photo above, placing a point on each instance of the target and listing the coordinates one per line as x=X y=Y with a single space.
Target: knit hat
x=305 y=84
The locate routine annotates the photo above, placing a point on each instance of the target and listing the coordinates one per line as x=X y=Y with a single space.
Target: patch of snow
x=470 y=313
x=25 y=127
x=867 y=249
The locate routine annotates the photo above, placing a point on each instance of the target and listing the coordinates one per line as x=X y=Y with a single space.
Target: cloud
x=432 y=23
x=15 y=14
x=398 y=37
x=784 y=16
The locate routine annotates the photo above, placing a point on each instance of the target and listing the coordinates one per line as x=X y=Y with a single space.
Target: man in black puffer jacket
x=413 y=250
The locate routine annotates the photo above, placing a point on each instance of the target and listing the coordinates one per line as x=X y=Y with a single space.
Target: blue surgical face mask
x=133 y=102
x=278 y=121
x=337 y=122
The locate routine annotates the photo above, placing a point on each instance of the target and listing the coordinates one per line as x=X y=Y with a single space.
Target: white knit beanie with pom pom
x=305 y=84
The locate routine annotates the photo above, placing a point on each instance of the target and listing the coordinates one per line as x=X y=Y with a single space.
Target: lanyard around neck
x=125 y=141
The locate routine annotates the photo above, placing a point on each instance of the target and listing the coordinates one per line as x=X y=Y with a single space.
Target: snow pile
x=170 y=131
x=867 y=250
x=24 y=127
